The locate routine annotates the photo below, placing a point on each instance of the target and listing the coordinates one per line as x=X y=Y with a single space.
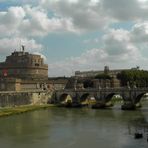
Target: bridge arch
x=87 y=98
x=84 y=97
x=65 y=97
x=139 y=98
x=110 y=97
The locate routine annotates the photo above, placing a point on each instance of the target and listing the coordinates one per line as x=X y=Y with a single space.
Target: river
x=73 y=128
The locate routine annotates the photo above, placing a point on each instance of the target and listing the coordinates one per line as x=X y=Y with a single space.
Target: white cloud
x=89 y=15
x=68 y=16
x=37 y=23
x=85 y=15
x=119 y=47
x=10 y=20
x=139 y=33
x=123 y=10
x=31 y=21
x=7 y=45
x=118 y=50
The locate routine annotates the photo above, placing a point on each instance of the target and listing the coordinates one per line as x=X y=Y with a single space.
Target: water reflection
x=139 y=128
x=71 y=128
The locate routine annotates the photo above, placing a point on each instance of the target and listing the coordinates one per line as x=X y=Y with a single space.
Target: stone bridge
x=104 y=95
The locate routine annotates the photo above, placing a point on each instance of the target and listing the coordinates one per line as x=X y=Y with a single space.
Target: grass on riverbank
x=21 y=109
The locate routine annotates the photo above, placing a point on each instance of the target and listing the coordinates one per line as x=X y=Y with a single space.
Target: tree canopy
x=137 y=78
x=103 y=76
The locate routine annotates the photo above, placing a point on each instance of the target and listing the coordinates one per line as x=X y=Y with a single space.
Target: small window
x=36 y=64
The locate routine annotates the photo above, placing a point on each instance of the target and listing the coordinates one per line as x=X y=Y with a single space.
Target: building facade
x=92 y=73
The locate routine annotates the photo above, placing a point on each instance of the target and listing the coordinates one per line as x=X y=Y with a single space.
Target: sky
x=77 y=35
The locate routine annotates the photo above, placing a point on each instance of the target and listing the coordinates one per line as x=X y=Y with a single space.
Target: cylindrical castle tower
x=21 y=64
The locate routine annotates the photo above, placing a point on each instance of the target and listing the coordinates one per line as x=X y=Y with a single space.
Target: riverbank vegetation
x=7 y=111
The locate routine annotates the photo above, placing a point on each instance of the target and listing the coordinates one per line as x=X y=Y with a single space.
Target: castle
x=23 y=71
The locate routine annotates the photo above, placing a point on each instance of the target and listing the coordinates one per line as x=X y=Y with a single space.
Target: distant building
x=102 y=83
x=92 y=73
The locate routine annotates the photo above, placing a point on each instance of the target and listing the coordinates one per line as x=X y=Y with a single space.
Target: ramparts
x=13 y=98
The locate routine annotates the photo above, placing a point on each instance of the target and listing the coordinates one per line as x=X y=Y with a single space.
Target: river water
x=73 y=128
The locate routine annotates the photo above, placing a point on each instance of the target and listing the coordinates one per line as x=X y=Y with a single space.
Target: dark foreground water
x=73 y=128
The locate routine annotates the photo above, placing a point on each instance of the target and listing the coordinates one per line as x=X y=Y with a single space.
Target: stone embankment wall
x=13 y=98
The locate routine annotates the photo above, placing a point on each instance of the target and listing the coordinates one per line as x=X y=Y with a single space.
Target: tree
x=103 y=76
x=134 y=77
